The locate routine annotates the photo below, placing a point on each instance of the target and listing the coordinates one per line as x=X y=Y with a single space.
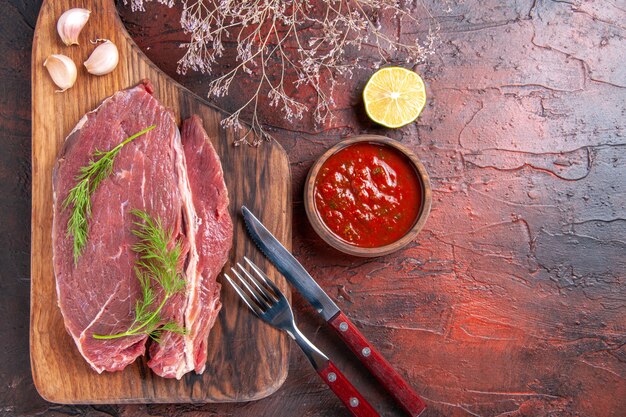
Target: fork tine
x=251 y=304
x=260 y=300
x=264 y=277
x=271 y=298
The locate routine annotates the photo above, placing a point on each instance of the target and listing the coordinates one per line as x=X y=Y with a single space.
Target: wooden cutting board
x=247 y=359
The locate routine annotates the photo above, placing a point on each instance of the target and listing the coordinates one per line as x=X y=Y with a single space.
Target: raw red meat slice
x=179 y=182
x=97 y=294
x=209 y=229
x=213 y=236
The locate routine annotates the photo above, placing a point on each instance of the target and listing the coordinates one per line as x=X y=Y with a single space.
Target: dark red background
x=511 y=302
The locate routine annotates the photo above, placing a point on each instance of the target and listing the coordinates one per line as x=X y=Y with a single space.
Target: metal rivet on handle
x=366 y=351
x=354 y=402
x=332 y=377
x=343 y=326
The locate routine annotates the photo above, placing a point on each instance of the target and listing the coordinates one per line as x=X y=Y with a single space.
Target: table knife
x=298 y=277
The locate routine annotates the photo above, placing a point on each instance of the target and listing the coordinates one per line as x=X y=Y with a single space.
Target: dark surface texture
x=512 y=300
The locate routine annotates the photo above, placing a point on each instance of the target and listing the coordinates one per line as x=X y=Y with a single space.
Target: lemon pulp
x=394 y=96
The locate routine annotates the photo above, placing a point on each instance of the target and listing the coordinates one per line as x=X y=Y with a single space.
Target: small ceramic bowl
x=338 y=243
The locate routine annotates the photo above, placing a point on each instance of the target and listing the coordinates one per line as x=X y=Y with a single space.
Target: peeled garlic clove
x=103 y=59
x=62 y=70
x=71 y=23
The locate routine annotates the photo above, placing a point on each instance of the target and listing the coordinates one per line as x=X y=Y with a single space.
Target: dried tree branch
x=303 y=42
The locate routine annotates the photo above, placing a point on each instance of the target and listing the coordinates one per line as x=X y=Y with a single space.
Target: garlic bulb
x=103 y=59
x=62 y=70
x=71 y=23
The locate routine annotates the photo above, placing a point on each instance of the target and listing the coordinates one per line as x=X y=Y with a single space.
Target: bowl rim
x=329 y=237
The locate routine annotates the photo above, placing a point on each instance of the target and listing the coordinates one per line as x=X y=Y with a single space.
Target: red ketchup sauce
x=368 y=194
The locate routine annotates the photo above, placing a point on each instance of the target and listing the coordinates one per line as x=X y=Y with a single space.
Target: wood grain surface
x=512 y=301
x=379 y=367
x=246 y=359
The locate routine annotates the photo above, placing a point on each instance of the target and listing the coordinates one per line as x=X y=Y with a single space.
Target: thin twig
x=302 y=41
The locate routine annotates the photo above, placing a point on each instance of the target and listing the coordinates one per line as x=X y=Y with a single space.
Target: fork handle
x=338 y=383
x=345 y=391
x=378 y=365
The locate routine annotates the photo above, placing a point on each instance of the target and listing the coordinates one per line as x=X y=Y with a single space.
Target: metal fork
x=268 y=303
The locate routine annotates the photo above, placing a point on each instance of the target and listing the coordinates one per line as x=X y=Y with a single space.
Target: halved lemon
x=394 y=96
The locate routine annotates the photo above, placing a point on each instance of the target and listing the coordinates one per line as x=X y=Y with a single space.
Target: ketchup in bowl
x=368 y=194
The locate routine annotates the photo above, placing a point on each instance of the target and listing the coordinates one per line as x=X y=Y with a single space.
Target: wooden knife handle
x=345 y=391
x=378 y=365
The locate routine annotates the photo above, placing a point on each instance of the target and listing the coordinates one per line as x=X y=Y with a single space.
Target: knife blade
x=297 y=276
x=289 y=266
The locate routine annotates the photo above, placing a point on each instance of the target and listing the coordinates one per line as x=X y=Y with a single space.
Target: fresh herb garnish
x=157 y=267
x=89 y=178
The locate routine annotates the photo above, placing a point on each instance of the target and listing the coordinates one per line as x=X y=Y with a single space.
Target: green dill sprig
x=157 y=266
x=79 y=198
